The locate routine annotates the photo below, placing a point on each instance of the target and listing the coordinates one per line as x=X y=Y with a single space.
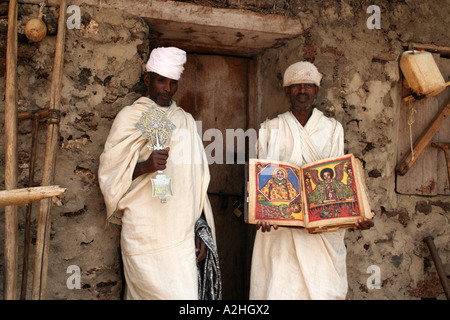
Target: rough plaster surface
x=360 y=88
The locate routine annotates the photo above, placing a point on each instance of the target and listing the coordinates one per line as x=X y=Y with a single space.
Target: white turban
x=301 y=72
x=167 y=62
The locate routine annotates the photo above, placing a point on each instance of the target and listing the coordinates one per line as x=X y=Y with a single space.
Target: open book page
x=275 y=193
x=326 y=195
x=335 y=194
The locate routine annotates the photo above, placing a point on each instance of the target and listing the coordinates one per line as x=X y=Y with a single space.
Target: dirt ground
x=362 y=88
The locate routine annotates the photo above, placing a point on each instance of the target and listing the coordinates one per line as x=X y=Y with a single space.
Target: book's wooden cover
x=325 y=195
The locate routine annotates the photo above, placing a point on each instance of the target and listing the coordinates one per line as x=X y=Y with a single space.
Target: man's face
x=280 y=175
x=159 y=88
x=301 y=95
x=327 y=176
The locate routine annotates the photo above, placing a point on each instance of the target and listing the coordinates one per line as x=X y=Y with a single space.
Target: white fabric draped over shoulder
x=290 y=263
x=157 y=240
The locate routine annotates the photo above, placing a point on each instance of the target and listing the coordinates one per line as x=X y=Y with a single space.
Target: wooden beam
x=198 y=28
x=442 y=50
x=48 y=2
x=43 y=113
x=197 y=14
x=407 y=162
x=44 y=219
x=193 y=13
x=11 y=156
x=27 y=230
x=25 y=196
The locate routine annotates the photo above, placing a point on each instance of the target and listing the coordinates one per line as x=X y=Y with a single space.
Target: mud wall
x=361 y=88
x=102 y=73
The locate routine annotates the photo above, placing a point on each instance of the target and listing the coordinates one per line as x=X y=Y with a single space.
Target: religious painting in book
x=325 y=195
x=331 y=190
x=279 y=195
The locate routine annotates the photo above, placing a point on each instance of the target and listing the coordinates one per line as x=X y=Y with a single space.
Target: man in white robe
x=158 y=243
x=290 y=263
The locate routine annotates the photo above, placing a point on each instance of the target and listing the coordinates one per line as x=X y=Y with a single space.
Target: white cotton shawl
x=157 y=240
x=290 y=263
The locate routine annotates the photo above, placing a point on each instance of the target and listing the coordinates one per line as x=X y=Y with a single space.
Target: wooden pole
x=44 y=220
x=27 y=231
x=53 y=3
x=11 y=221
x=429 y=47
x=32 y=115
x=438 y=264
x=36 y=117
x=25 y=196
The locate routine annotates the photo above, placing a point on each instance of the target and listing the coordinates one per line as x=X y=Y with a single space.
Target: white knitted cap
x=301 y=72
x=167 y=62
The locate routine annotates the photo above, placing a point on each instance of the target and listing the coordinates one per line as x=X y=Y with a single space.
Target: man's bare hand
x=156 y=161
x=200 y=249
x=265 y=226
x=364 y=224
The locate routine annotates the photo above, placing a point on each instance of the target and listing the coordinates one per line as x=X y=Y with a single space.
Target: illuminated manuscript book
x=325 y=195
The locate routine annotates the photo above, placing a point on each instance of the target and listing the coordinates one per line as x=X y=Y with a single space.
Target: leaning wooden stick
x=43 y=113
x=407 y=162
x=24 y=196
x=11 y=163
x=36 y=116
x=44 y=220
x=438 y=264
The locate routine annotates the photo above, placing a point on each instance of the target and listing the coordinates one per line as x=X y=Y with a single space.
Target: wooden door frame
x=254 y=101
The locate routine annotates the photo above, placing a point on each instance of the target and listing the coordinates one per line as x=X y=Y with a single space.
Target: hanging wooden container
x=422 y=73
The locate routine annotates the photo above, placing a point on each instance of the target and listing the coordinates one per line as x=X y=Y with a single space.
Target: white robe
x=290 y=263
x=157 y=240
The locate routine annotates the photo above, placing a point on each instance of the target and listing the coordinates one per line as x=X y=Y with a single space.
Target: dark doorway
x=215 y=90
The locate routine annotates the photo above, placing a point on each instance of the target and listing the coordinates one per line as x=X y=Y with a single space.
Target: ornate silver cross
x=157 y=128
